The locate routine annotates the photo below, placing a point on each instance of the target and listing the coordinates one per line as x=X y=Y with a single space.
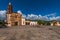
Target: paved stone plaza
x=30 y=33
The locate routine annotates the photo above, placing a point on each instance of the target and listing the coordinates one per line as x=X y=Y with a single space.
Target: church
x=15 y=19
x=12 y=18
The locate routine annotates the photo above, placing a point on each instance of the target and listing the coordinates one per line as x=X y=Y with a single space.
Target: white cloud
x=55 y=18
x=48 y=17
x=23 y=15
x=32 y=16
x=19 y=12
x=2 y=14
x=39 y=17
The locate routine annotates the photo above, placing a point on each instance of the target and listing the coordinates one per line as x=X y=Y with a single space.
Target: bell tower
x=9 y=10
x=8 y=14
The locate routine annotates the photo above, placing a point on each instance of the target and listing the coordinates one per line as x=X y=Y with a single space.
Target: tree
x=40 y=22
x=2 y=23
x=43 y=22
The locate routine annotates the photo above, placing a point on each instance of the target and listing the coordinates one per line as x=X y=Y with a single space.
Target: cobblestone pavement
x=30 y=33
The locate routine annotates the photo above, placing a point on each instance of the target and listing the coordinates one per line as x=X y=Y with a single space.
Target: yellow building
x=13 y=19
x=55 y=23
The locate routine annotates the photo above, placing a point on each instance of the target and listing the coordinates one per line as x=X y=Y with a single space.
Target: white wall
x=33 y=23
x=23 y=21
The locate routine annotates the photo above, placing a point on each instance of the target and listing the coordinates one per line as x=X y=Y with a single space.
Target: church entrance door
x=16 y=23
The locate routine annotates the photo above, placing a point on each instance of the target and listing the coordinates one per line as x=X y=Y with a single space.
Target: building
x=55 y=23
x=30 y=22
x=13 y=19
x=16 y=19
x=27 y=22
x=23 y=21
x=33 y=23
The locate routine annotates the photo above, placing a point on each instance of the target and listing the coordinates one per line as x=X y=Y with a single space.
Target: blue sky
x=35 y=7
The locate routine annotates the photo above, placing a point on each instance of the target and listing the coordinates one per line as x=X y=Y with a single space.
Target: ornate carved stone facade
x=13 y=19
